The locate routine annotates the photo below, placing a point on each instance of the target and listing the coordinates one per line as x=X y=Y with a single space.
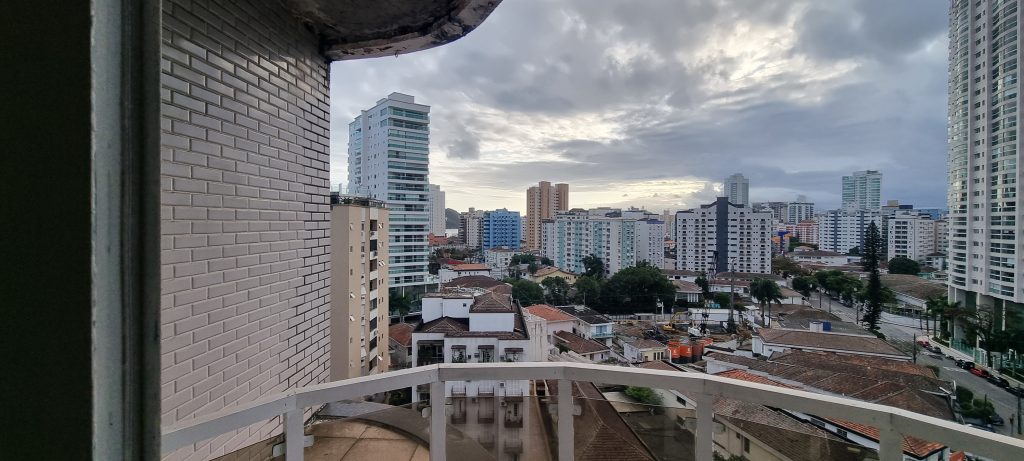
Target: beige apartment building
x=359 y=287
x=542 y=201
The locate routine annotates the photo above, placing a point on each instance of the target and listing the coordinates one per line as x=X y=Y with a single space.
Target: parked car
x=998 y=381
x=1018 y=391
x=924 y=343
x=980 y=372
x=995 y=420
x=979 y=424
x=964 y=364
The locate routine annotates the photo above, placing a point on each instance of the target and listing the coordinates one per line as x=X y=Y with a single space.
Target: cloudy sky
x=651 y=103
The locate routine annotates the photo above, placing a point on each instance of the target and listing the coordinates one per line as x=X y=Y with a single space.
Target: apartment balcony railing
x=706 y=390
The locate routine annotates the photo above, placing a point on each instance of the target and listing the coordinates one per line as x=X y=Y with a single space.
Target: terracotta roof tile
x=579 y=344
x=829 y=341
x=658 y=365
x=401 y=333
x=647 y=344
x=751 y=378
x=470 y=267
x=917 y=447
x=549 y=313
x=491 y=303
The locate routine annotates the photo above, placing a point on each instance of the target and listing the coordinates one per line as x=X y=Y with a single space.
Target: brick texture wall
x=245 y=211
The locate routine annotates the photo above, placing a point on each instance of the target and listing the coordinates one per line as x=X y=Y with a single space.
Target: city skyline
x=708 y=99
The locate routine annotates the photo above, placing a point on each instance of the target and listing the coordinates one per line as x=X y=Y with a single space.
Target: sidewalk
x=946 y=350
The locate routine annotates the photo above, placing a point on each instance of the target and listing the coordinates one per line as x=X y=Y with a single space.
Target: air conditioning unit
x=503 y=403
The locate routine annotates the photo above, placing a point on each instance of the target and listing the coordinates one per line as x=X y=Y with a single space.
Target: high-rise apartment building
x=619 y=242
x=911 y=235
x=388 y=160
x=470 y=225
x=737 y=189
x=542 y=202
x=500 y=228
x=985 y=229
x=862 y=190
x=798 y=211
x=843 y=230
x=722 y=236
x=437 y=221
x=359 y=287
x=777 y=209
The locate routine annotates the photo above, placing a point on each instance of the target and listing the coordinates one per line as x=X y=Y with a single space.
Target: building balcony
x=574 y=414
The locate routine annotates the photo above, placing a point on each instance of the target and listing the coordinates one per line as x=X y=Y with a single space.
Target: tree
x=723 y=300
x=903 y=265
x=588 y=290
x=705 y=286
x=527 y=292
x=766 y=292
x=546 y=261
x=805 y=284
x=593 y=267
x=644 y=395
x=786 y=267
x=400 y=304
x=557 y=289
x=873 y=295
x=532 y=268
x=637 y=289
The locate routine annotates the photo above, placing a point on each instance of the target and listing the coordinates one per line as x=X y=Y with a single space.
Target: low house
x=768 y=341
x=645 y=350
x=587 y=348
x=680 y=274
x=472 y=326
x=400 y=345
x=448 y=274
x=591 y=324
x=913 y=292
x=546 y=272
x=556 y=319
x=823 y=258
x=737 y=286
x=687 y=291
x=790 y=296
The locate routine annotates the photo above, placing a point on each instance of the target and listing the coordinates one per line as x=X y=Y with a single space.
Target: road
x=902 y=331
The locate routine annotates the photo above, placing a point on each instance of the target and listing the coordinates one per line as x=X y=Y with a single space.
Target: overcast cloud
x=652 y=103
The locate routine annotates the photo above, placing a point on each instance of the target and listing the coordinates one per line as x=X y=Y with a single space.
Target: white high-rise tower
x=388 y=159
x=985 y=228
x=862 y=190
x=737 y=189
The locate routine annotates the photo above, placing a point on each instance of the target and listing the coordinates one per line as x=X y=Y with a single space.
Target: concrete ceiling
x=354 y=29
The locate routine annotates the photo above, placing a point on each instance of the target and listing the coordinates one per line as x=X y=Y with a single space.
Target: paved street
x=903 y=330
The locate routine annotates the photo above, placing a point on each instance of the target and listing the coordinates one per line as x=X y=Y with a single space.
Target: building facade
x=807 y=231
x=737 y=189
x=359 y=287
x=618 y=241
x=843 y=230
x=799 y=211
x=437 y=219
x=862 y=190
x=722 y=236
x=542 y=202
x=911 y=235
x=500 y=229
x=470 y=226
x=984 y=225
x=388 y=160
x=777 y=209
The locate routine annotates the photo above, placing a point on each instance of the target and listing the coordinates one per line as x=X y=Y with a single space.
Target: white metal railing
x=893 y=423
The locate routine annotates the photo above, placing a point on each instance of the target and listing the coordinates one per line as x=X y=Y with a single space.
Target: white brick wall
x=245 y=211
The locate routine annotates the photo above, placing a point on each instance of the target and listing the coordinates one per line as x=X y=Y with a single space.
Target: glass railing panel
x=629 y=422
x=484 y=424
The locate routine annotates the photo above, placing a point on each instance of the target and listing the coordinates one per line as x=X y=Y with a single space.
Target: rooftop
x=549 y=313
x=914 y=286
x=647 y=344
x=470 y=267
x=800 y=316
x=479 y=281
x=585 y=314
x=401 y=333
x=544 y=271
x=579 y=344
x=659 y=365
x=683 y=286
x=828 y=341
x=679 y=272
x=492 y=303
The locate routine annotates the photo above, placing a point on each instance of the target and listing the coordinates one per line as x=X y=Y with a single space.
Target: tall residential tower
x=984 y=227
x=542 y=202
x=737 y=189
x=862 y=190
x=388 y=161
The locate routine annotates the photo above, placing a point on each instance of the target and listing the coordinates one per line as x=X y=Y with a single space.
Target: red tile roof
x=491 y=302
x=647 y=344
x=401 y=333
x=658 y=365
x=751 y=378
x=579 y=344
x=471 y=267
x=549 y=313
x=917 y=447
x=829 y=341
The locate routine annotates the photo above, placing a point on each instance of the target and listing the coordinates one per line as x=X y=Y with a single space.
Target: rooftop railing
x=893 y=424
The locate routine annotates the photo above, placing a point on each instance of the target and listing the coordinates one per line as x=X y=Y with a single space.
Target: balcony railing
x=893 y=424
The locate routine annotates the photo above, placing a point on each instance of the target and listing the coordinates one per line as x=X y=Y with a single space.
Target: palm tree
x=766 y=292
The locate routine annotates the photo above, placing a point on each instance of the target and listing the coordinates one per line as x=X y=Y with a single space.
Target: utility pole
x=1018 y=411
